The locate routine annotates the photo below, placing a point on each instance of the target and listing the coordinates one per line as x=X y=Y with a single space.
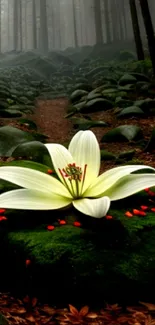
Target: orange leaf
x=147 y=305
x=84 y=311
x=92 y=315
x=34 y=301
x=30 y=318
x=128 y=214
x=48 y=310
x=73 y=310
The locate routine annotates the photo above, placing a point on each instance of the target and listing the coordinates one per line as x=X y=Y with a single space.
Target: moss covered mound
x=112 y=260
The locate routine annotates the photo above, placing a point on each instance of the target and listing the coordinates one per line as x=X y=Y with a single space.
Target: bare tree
x=149 y=30
x=136 y=30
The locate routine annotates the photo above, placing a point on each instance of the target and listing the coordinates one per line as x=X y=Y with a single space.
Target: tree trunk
x=43 y=27
x=98 y=22
x=107 y=21
x=20 y=24
x=75 y=26
x=136 y=30
x=15 y=27
x=34 y=22
x=149 y=30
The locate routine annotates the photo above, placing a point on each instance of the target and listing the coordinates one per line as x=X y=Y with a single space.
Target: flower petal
x=61 y=158
x=110 y=177
x=32 y=200
x=33 y=179
x=129 y=185
x=96 y=208
x=85 y=150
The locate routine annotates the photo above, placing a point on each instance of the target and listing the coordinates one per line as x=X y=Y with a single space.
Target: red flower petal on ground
x=147 y=189
x=62 y=222
x=151 y=193
x=153 y=209
x=2 y=210
x=109 y=217
x=2 y=218
x=136 y=212
x=50 y=227
x=142 y=213
x=27 y=262
x=77 y=224
x=128 y=214
x=144 y=207
x=50 y=171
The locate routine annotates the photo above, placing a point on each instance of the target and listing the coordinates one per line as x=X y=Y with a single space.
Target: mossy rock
x=127 y=79
x=97 y=104
x=77 y=95
x=93 y=95
x=130 y=112
x=3 y=104
x=122 y=103
x=10 y=113
x=83 y=86
x=104 y=257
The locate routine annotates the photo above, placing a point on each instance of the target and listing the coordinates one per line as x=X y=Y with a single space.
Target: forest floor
x=49 y=117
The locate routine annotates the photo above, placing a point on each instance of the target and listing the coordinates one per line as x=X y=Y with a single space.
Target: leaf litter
x=29 y=311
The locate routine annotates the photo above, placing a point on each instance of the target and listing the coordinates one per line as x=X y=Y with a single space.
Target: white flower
x=79 y=181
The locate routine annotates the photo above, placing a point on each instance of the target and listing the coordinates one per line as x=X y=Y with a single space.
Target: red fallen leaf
x=50 y=171
x=50 y=227
x=136 y=212
x=3 y=218
x=77 y=224
x=2 y=210
x=73 y=310
x=142 y=213
x=144 y=207
x=153 y=209
x=128 y=214
x=28 y=262
x=109 y=217
x=84 y=311
x=151 y=193
x=62 y=222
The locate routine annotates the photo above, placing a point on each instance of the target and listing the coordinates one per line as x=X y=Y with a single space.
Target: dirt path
x=49 y=117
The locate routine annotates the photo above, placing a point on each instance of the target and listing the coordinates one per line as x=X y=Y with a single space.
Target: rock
x=127 y=79
x=77 y=94
x=98 y=104
x=131 y=111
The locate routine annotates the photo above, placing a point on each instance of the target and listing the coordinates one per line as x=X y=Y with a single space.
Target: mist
x=46 y=25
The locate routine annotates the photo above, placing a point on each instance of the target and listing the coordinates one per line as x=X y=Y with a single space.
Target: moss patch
x=113 y=258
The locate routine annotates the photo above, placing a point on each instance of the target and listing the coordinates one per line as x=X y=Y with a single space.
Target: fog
x=48 y=25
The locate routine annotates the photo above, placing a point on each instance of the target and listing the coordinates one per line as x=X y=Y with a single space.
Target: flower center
x=73 y=178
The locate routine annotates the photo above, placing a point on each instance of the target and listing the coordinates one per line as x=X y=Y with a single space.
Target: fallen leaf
x=84 y=311
x=30 y=318
x=148 y=305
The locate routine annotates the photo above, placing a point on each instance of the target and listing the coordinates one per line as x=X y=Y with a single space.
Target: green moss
x=104 y=256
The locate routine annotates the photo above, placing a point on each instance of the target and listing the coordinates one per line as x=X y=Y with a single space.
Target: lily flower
x=79 y=181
